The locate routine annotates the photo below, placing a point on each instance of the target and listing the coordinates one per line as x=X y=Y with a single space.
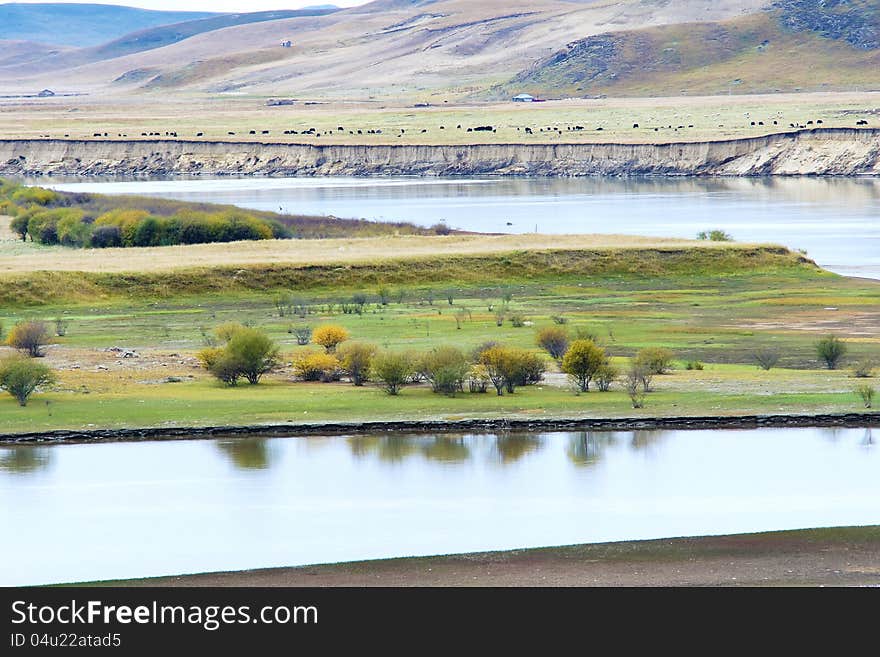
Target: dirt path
x=848 y=556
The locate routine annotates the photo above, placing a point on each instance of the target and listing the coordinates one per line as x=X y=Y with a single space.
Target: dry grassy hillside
x=797 y=45
x=458 y=47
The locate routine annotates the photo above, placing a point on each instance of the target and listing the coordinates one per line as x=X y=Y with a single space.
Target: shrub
x=30 y=337
x=655 y=360
x=441 y=229
x=831 y=350
x=605 y=376
x=255 y=353
x=517 y=321
x=478 y=379
x=105 y=237
x=866 y=393
x=480 y=348
x=639 y=372
x=19 y=225
x=582 y=361
x=559 y=319
x=693 y=365
x=554 y=340
x=303 y=334
x=36 y=195
x=72 y=231
x=864 y=369
x=715 y=236
x=20 y=377
x=392 y=370
x=507 y=367
x=316 y=366
x=330 y=336
x=61 y=326
x=445 y=368
x=224 y=332
x=585 y=333
x=355 y=358
x=766 y=358
x=530 y=368
x=220 y=363
x=635 y=387
x=248 y=353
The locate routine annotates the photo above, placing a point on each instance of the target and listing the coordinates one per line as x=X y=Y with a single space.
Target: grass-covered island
x=146 y=337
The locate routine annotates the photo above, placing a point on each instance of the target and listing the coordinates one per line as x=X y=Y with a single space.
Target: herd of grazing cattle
x=400 y=132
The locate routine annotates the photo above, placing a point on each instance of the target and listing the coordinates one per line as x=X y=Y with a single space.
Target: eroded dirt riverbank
x=821 y=151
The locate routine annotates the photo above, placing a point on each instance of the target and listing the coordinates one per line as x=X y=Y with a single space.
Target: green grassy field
x=720 y=314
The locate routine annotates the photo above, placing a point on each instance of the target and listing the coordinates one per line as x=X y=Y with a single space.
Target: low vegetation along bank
x=697 y=330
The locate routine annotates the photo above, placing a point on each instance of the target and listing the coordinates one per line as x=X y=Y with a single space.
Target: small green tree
x=393 y=370
x=582 y=361
x=655 y=360
x=356 y=358
x=831 y=351
x=255 y=353
x=21 y=376
x=445 y=368
x=866 y=393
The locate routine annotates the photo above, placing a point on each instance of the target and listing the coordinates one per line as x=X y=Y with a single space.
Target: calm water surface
x=837 y=221
x=85 y=512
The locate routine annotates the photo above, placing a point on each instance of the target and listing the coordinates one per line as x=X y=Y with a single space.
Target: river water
x=118 y=510
x=837 y=221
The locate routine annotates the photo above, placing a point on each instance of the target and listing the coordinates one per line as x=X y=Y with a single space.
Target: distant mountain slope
x=794 y=45
x=384 y=48
x=159 y=37
x=81 y=24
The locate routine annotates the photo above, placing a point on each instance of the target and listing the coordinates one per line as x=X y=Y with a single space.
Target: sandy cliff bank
x=824 y=151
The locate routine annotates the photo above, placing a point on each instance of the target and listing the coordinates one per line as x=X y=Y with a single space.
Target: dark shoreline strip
x=846 y=420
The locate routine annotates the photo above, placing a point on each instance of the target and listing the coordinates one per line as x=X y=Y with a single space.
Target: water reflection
x=585 y=447
x=511 y=447
x=395 y=448
x=163 y=507
x=24 y=459
x=247 y=453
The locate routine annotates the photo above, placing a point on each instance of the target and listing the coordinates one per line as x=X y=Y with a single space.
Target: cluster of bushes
x=128 y=228
x=244 y=353
x=94 y=220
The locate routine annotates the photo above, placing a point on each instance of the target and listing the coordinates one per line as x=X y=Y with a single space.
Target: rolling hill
x=436 y=50
x=155 y=37
x=794 y=45
x=81 y=24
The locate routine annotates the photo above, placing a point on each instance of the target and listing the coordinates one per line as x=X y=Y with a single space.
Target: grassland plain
x=716 y=303
x=676 y=118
